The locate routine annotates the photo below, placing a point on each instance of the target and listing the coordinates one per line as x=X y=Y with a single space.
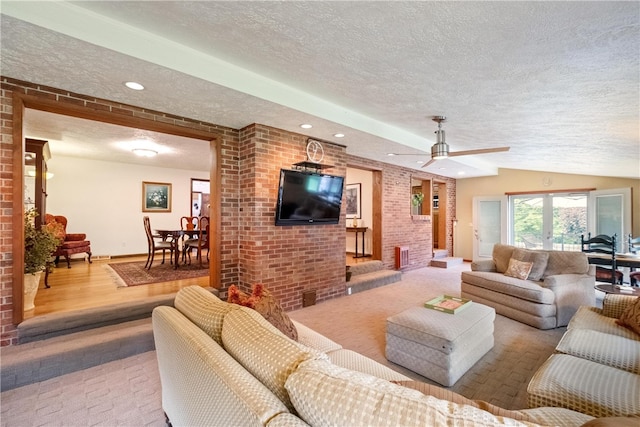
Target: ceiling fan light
x=439 y=151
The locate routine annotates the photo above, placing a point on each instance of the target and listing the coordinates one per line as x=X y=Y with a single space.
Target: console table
x=357 y=230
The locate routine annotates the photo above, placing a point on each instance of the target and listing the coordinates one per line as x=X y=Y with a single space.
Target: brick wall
x=287 y=259
x=398 y=228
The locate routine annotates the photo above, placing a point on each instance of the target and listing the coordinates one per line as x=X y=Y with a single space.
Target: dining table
x=174 y=235
x=629 y=260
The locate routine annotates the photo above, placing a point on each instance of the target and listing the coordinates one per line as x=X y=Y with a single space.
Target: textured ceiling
x=558 y=82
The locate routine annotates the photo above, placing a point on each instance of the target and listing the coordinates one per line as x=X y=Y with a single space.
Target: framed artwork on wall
x=354 y=201
x=156 y=197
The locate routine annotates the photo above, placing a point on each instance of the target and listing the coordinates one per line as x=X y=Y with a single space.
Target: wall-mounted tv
x=308 y=198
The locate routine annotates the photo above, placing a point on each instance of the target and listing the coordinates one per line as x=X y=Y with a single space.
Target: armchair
x=73 y=243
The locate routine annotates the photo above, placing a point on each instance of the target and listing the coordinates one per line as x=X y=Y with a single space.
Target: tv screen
x=308 y=198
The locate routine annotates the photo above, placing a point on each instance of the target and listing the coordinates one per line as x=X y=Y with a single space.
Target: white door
x=610 y=213
x=489 y=224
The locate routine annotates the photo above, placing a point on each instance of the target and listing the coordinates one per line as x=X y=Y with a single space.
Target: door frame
x=21 y=102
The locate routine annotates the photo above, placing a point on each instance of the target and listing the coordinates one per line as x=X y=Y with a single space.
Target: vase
x=31 y=284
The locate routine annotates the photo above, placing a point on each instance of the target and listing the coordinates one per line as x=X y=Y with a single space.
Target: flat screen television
x=308 y=198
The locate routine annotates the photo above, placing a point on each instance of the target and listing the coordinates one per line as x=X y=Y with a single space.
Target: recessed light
x=391 y=154
x=419 y=162
x=461 y=173
x=134 y=85
x=306 y=126
x=442 y=169
x=144 y=152
x=339 y=135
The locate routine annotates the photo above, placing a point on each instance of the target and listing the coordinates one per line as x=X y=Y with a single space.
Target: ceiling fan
x=440 y=150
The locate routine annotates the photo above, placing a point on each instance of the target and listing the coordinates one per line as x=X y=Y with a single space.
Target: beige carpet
x=127 y=392
x=357 y=322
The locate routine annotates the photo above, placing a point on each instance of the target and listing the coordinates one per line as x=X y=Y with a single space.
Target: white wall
x=365 y=178
x=104 y=200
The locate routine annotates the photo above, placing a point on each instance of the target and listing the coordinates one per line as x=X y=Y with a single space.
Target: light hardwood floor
x=87 y=285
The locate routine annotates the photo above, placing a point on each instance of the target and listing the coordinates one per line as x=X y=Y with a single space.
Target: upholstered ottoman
x=440 y=346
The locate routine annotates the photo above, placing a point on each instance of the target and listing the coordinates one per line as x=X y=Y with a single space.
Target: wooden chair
x=633 y=246
x=187 y=223
x=201 y=242
x=155 y=246
x=605 y=245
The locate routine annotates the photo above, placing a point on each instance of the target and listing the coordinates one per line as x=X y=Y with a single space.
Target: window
x=548 y=221
x=557 y=220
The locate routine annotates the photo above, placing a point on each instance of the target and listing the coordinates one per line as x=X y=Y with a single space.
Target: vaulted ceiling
x=558 y=82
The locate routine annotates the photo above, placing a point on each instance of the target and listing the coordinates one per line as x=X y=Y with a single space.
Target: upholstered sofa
x=558 y=283
x=224 y=364
x=596 y=366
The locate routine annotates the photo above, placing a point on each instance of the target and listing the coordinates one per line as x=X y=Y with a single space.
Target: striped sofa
x=224 y=365
x=596 y=366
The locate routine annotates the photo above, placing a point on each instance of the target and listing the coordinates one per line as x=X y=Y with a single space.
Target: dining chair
x=155 y=246
x=605 y=245
x=633 y=246
x=201 y=242
x=187 y=223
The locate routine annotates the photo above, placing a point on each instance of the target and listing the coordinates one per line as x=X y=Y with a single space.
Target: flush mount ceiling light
x=144 y=152
x=134 y=85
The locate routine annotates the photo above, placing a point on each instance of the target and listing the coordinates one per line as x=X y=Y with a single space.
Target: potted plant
x=39 y=246
x=416 y=200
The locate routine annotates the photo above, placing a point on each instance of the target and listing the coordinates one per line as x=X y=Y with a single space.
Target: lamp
x=144 y=152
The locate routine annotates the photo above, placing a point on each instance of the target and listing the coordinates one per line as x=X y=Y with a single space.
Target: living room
x=246 y=160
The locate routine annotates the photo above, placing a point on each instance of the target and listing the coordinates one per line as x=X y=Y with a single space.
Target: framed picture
x=156 y=197
x=354 y=201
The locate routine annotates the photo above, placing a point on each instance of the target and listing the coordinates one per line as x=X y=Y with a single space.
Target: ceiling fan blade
x=429 y=162
x=479 y=151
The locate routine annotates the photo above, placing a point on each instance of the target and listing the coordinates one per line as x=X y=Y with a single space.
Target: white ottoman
x=440 y=346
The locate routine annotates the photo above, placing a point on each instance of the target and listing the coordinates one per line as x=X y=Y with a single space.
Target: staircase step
x=445 y=262
x=62 y=323
x=440 y=253
x=44 y=359
x=374 y=279
x=59 y=343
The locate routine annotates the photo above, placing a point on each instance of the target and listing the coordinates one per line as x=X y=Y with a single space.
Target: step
x=440 y=253
x=371 y=280
x=62 y=323
x=445 y=262
x=59 y=343
x=44 y=359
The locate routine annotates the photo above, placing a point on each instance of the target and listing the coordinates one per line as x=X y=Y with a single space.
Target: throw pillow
x=518 y=269
x=501 y=256
x=538 y=258
x=262 y=301
x=630 y=317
